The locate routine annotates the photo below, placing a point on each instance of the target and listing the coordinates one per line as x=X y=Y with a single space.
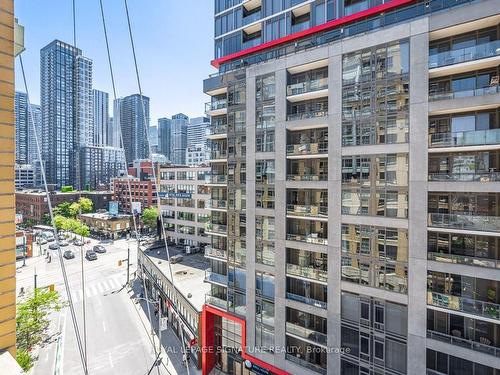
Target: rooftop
x=189 y=274
x=105 y=216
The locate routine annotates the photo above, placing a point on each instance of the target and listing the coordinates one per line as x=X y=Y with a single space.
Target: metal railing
x=251 y=18
x=307 y=272
x=463 y=259
x=218 y=179
x=307 y=86
x=468 y=138
x=465 y=343
x=306 y=300
x=304 y=363
x=477 y=52
x=307 y=177
x=464 y=304
x=215 y=129
x=466 y=176
x=217 y=203
x=217 y=253
x=443 y=95
x=306 y=333
x=357 y=7
x=216 y=228
x=214 y=277
x=309 y=238
x=215 y=301
x=306 y=115
x=465 y=222
x=307 y=148
x=215 y=105
x=219 y=154
x=307 y=210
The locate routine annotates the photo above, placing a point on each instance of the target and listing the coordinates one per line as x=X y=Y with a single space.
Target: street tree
x=150 y=217
x=63 y=209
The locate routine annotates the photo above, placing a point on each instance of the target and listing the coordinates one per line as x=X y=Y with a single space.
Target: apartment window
x=264 y=284
x=264 y=141
x=264 y=197
x=264 y=253
x=264 y=171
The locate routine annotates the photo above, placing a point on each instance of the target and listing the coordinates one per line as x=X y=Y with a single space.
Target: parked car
x=53 y=246
x=78 y=242
x=41 y=241
x=68 y=254
x=63 y=244
x=61 y=237
x=176 y=259
x=91 y=255
x=99 y=249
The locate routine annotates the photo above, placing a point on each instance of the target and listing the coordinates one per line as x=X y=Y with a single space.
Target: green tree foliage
x=71 y=225
x=24 y=359
x=71 y=210
x=149 y=217
x=63 y=209
x=66 y=189
x=32 y=320
x=86 y=205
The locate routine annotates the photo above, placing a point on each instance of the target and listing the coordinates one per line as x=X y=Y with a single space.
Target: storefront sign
x=172 y=194
x=256 y=369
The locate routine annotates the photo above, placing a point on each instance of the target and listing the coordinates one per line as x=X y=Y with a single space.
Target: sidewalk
x=171 y=345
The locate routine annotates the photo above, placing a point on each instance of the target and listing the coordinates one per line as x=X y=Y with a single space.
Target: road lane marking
x=110 y=360
x=104 y=326
x=101 y=288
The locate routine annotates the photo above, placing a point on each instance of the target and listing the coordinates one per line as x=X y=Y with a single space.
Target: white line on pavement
x=104 y=326
x=110 y=360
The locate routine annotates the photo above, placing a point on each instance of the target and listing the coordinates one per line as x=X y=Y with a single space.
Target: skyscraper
x=153 y=138
x=66 y=104
x=164 y=136
x=128 y=113
x=101 y=118
x=36 y=111
x=355 y=200
x=22 y=127
x=197 y=151
x=178 y=138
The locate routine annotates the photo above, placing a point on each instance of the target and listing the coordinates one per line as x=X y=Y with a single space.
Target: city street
x=118 y=332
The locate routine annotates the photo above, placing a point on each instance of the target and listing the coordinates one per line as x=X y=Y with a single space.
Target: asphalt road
x=117 y=339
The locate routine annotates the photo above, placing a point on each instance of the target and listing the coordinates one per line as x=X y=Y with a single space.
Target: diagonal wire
x=146 y=131
x=51 y=213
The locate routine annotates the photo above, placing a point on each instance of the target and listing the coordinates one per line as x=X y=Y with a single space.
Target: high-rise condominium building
x=128 y=113
x=101 y=118
x=66 y=103
x=164 y=136
x=36 y=112
x=178 y=138
x=197 y=141
x=355 y=164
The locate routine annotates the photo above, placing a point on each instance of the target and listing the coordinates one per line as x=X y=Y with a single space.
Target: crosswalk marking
x=93 y=290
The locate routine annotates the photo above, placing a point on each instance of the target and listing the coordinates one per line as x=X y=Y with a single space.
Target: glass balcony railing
x=470 y=138
x=307 y=177
x=251 y=18
x=251 y=43
x=465 y=222
x=465 y=176
x=216 y=129
x=215 y=105
x=217 y=203
x=218 y=179
x=216 y=228
x=309 y=238
x=306 y=115
x=443 y=95
x=464 y=304
x=306 y=300
x=465 y=343
x=307 y=86
x=216 y=253
x=215 y=301
x=213 y=277
x=304 y=363
x=306 y=333
x=307 y=272
x=307 y=149
x=299 y=27
x=307 y=210
x=218 y=154
x=463 y=259
x=355 y=8
x=477 y=52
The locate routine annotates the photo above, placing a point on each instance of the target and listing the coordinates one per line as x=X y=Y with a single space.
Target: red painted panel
x=323 y=27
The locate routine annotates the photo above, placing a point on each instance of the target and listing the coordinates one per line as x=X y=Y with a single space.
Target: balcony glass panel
x=461 y=55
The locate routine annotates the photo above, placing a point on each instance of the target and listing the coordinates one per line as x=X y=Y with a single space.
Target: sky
x=173 y=41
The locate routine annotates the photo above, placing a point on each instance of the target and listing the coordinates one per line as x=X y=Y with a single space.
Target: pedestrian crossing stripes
x=94 y=289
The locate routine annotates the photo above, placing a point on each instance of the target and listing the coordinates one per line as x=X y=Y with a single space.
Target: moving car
x=63 y=244
x=68 y=254
x=53 y=246
x=99 y=249
x=78 y=242
x=91 y=255
x=41 y=241
x=176 y=259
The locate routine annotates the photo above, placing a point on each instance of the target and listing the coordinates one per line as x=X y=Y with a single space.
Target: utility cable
x=146 y=131
x=51 y=214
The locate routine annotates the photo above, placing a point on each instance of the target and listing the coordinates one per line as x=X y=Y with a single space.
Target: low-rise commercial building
x=184 y=196
x=109 y=226
x=142 y=191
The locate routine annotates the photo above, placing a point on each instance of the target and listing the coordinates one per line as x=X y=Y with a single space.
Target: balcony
x=215 y=301
x=463 y=259
x=306 y=333
x=212 y=252
x=306 y=115
x=312 y=89
x=216 y=278
x=306 y=300
x=461 y=139
x=306 y=177
x=251 y=18
x=466 y=177
x=313 y=211
x=307 y=272
x=469 y=344
x=216 y=107
x=217 y=131
x=307 y=149
x=356 y=7
x=464 y=222
x=217 y=204
x=306 y=364
x=216 y=229
x=309 y=238
x=444 y=95
x=464 y=304
x=462 y=55
x=218 y=179
x=218 y=156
